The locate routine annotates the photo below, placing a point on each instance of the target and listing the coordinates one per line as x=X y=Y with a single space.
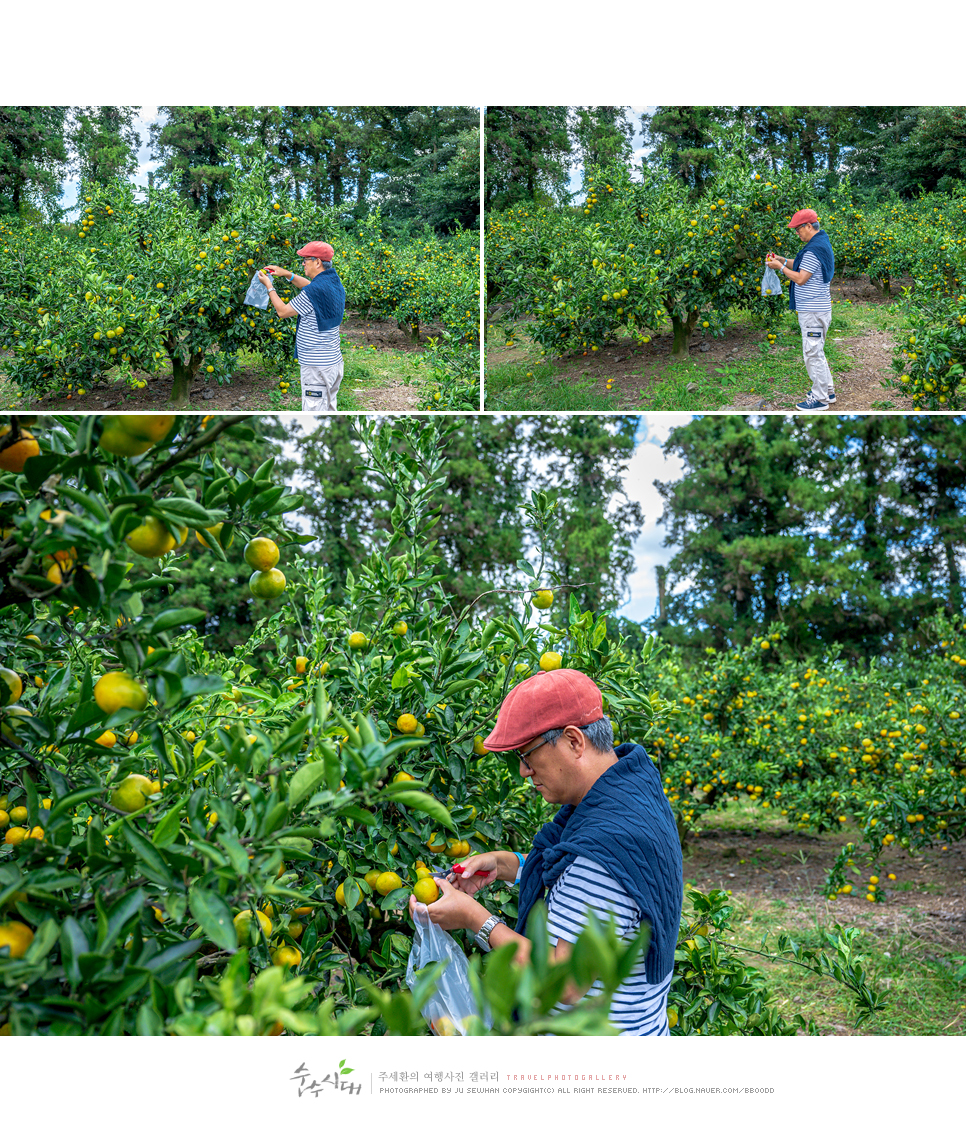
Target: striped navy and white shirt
x=639 y=1006
x=314 y=347
x=815 y=296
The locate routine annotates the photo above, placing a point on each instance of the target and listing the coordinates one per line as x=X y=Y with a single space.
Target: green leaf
x=167 y=828
x=305 y=781
x=149 y=857
x=211 y=913
x=421 y=802
x=182 y=616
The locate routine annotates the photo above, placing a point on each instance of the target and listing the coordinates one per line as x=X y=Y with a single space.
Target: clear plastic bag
x=257 y=294
x=453 y=1003
x=771 y=286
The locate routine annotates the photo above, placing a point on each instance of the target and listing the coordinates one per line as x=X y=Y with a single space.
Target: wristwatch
x=483 y=935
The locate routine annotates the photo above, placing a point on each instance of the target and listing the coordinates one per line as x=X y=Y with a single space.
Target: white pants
x=814 y=327
x=320 y=386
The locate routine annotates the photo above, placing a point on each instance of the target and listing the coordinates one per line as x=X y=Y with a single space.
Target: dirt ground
x=249 y=391
x=635 y=368
x=793 y=867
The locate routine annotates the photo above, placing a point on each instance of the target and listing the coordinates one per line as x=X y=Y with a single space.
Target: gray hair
x=600 y=734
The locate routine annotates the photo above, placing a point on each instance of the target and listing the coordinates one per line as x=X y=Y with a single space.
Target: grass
x=521 y=377
x=918 y=981
x=531 y=387
x=366 y=371
x=921 y=982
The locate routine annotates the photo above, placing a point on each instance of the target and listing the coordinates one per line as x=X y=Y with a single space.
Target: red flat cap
x=317 y=250
x=547 y=701
x=802 y=216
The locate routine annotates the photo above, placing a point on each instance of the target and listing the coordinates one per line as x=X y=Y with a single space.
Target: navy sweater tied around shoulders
x=625 y=825
x=821 y=247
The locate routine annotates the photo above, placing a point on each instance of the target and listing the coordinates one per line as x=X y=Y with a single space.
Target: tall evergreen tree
x=195 y=146
x=601 y=135
x=33 y=155
x=105 y=142
x=527 y=152
x=587 y=459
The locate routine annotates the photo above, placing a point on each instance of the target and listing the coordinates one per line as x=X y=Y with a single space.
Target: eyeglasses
x=524 y=754
x=311 y=259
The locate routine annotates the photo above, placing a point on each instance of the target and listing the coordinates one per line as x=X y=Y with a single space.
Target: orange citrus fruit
x=14 y=684
x=244 y=924
x=17 y=937
x=387 y=882
x=116 y=690
x=14 y=456
x=286 y=957
x=267 y=584
x=426 y=890
x=261 y=554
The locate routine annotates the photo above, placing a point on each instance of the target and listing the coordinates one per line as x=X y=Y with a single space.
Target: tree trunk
x=883 y=284
x=182 y=375
x=682 y=334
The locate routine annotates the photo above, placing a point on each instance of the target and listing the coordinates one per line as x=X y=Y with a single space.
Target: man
x=809 y=294
x=612 y=849
x=319 y=307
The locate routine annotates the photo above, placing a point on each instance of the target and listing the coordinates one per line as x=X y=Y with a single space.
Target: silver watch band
x=483 y=935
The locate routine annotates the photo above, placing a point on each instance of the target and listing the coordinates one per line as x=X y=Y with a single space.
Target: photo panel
x=627 y=253
x=256 y=258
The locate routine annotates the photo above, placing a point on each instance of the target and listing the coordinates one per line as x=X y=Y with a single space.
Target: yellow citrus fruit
x=422 y=872
x=433 y=847
x=372 y=876
x=12 y=716
x=406 y=724
x=17 y=937
x=14 y=836
x=152 y=538
x=18 y=814
x=445 y=1026
x=357 y=640
x=214 y=530
x=116 y=691
x=550 y=660
x=295 y=929
x=267 y=584
x=672 y=1017
x=132 y=794
x=4 y=818
x=402 y=775
x=387 y=882
x=119 y=440
x=286 y=957
x=36 y=834
x=400 y=628
x=14 y=456
x=261 y=554
x=340 y=894
x=478 y=747
x=300 y=664
x=14 y=684
x=543 y=600
x=426 y=890
x=107 y=739
x=244 y=924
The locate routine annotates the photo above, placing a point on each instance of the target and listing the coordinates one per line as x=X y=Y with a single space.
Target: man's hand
x=277 y=270
x=452 y=910
x=265 y=279
x=482 y=869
